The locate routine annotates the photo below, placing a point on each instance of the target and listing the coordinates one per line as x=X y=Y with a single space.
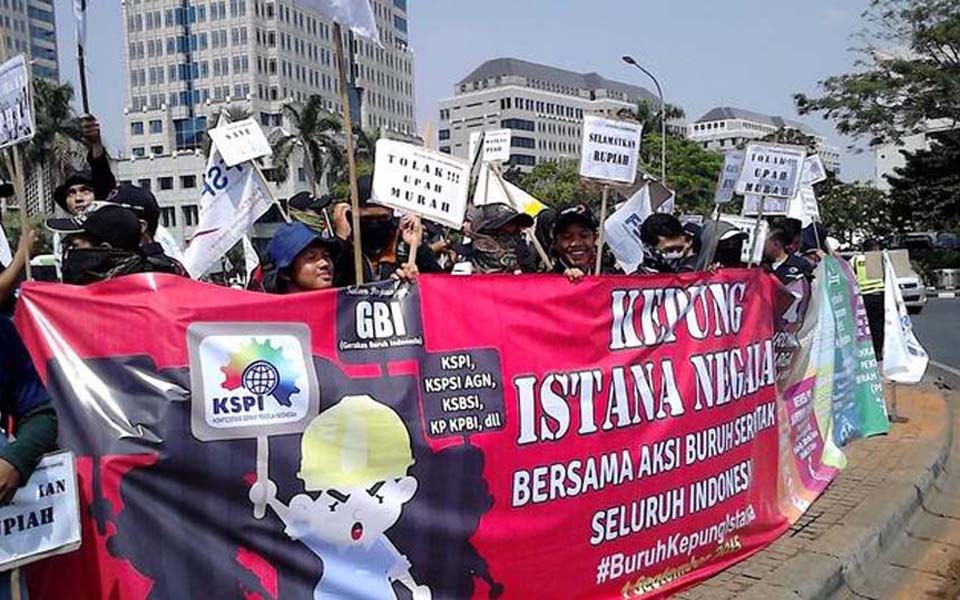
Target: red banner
x=514 y=436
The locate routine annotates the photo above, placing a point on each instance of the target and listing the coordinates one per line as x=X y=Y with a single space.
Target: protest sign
x=240 y=141
x=727 y=182
x=16 y=103
x=610 y=150
x=231 y=201
x=813 y=170
x=43 y=519
x=804 y=205
x=496 y=145
x=771 y=206
x=770 y=170
x=904 y=359
x=424 y=182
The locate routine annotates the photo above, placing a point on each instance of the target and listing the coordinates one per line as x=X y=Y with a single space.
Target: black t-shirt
x=793 y=269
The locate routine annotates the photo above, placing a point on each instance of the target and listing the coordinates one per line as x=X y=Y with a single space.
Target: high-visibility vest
x=867 y=285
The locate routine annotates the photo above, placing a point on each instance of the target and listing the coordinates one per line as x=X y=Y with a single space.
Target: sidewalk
x=859 y=515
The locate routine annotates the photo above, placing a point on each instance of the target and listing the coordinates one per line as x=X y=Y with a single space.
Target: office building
x=187 y=61
x=724 y=128
x=543 y=106
x=29 y=27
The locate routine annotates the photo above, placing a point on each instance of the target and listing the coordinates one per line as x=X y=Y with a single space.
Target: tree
x=650 y=117
x=853 y=211
x=925 y=192
x=316 y=137
x=692 y=172
x=557 y=184
x=897 y=93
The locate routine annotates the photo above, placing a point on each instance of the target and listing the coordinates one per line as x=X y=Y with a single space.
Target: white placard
x=43 y=519
x=813 y=170
x=413 y=179
x=773 y=207
x=496 y=145
x=611 y=150
x=16 y=103
x=240 y=141
x=771 y=170
x=732 y=163
x=749 y=226
x=804 y=205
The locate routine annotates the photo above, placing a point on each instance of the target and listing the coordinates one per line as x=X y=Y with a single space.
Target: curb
x=931 y=293
x=869 y=529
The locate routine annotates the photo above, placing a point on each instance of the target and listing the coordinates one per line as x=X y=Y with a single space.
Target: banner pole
x=15 y=584
x=263 y=462
x=22 y=200
x=756 y=231
x=82 y=66
x=603 y=217
x=348 y=147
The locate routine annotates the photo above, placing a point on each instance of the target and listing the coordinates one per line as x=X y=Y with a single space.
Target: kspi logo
x=251 y=379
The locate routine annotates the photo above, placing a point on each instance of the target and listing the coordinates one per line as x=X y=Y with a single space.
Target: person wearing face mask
x=498 y=242
x=728 y=241
x=301 y=259
x=670 y=248
x=101 y=243
x=386 y=242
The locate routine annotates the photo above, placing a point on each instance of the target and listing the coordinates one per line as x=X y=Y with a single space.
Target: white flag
x=355 y=14
x=80 y=13
x=493 y=189
x=233 y=198
x=251 y=260
x=904 y=359
x=171 y=247
x=622 y=230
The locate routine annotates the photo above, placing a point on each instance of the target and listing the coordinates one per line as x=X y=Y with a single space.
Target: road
x=925 y=561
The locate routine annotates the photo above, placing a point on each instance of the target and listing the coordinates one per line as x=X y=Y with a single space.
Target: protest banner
x=727 y=182
x=231 y=201
x=17 y=120
x=240 y=141
x=813 y=170
x=43 y=519
x=904 y=359
x=770 y=170
x=496 y=145
x=424 y=182
x=540 y=440
x=610 y=150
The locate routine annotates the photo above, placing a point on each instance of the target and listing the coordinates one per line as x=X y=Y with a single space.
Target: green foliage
x=853 y=211
x=650 y=117
x=925 y=192
x=692 y=172
x=315 y=135
x=909 y=72
x=558 y=185
x=793 y=137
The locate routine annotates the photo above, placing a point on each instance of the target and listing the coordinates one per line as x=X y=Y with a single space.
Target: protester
x=102 y=243
x=300 y=260
x=93 y=183
x=574 y=244
x=813 y=243
x=793 y=228
x=386 y=241
x=142 y=202
x=498 y=242
x=785 y=266
x=669 y=248
x=728 y=241
x=873 y=295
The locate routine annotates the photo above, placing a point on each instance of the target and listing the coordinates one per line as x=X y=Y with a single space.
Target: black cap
x=307 y=201
x=580 y=213
x=140 y=200
x=103 y=223
x=78 y=178
x=814 y=237
x=494 y=216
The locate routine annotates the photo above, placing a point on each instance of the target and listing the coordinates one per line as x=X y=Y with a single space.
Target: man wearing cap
x=575 y=242
x=498 y=244
x=386 y=241
x=142 y=202
x=300 y=260
x=101 y=243
x=93 y=183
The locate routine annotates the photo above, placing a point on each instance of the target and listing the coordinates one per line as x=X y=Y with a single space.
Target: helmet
x=356 y=442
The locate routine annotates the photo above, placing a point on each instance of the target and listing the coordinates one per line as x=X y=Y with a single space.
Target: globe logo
x=260 y=377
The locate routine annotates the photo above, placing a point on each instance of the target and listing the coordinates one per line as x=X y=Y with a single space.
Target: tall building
x=542 y=105
x=185 y=61
x=29 y=28
x=889 y=156
x=724 y=128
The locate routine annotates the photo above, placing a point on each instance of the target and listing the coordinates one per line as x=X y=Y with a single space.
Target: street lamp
x=663 y=118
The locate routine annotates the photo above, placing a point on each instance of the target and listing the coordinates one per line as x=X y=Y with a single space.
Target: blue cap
x=291 y=239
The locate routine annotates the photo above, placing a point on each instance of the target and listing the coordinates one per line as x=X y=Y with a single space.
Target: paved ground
x=938 y=328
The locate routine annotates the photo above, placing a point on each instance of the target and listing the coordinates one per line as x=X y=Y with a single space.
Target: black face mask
x=375 y=235
x=82 y=266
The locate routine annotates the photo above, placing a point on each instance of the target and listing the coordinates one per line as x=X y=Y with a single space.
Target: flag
x=904 y=359
x=80 y=13
x=251 y=260
x=622 y=230
x=493 y=189
x=169 y=243
x=357 y=15
x=233 y=198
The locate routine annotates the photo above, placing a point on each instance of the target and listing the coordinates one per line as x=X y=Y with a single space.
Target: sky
x=751 y=54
